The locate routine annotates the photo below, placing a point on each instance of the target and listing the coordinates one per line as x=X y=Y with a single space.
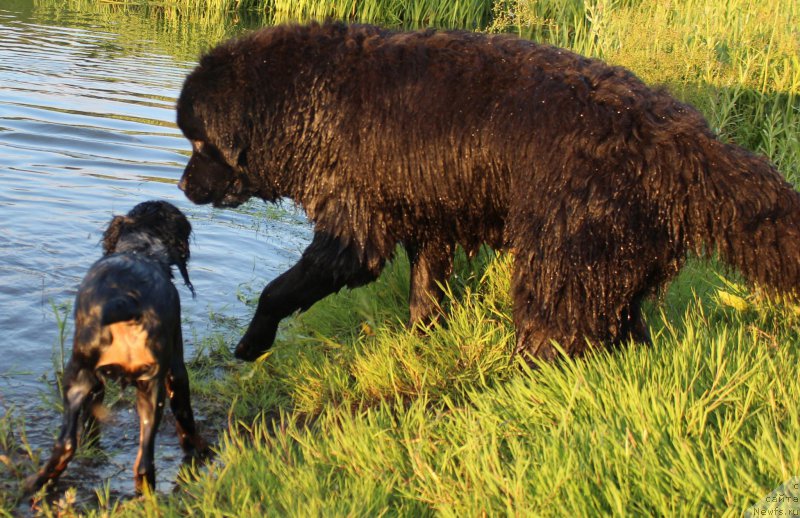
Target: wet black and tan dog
x=599 y=184
x=128 y=329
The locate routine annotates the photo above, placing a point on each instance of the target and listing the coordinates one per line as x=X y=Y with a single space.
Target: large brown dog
x=597 y=183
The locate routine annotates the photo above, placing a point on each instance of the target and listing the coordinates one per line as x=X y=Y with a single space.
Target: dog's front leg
x=327 y=265
x=150 y=406
x=79 y=382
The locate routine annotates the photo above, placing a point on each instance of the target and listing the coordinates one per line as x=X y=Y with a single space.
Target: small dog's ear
x=185 y=275
x=178 y=243
x=111 y=235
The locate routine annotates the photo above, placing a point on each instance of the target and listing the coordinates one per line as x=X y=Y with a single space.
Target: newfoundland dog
x=598 y=184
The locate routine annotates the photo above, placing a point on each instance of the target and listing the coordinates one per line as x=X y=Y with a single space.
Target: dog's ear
x=177 y=240
x=185 y=275
x=112 y=233
x=180 y=257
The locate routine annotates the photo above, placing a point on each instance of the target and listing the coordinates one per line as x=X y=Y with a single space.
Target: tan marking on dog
x=128 y=347
x=100 y=412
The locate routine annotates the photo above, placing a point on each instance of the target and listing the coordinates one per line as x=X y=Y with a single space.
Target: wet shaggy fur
x=128 y=328
x=599 y=184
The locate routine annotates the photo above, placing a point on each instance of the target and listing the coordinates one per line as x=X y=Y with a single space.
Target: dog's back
x=128 y=311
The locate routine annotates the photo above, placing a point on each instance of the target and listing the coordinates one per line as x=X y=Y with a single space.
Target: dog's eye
x=207 y=150
x=242 y=160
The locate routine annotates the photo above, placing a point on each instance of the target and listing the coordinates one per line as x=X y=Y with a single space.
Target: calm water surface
x=87 y=131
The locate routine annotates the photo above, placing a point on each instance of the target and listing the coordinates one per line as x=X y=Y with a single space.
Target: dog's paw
x=259 y=337
x=200 y=450
x=250 y=350
x=247 y=353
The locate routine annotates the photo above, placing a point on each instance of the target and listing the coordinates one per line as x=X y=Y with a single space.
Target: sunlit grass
x=469 y=14
x=17 y=459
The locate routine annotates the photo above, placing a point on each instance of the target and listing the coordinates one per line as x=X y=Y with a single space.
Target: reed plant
x=465 y=14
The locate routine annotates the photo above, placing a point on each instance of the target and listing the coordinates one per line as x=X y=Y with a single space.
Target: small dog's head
x=153 y=219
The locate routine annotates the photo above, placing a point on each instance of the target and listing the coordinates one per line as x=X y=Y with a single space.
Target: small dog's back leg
x=191 y=442
x=79 y=382
x=178 y=391
x=150 y=406
x=89 y=428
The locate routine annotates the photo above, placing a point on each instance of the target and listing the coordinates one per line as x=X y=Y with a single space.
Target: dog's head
x=232 y=109
x=215 y=173
x=212 y=114
x=149 y=220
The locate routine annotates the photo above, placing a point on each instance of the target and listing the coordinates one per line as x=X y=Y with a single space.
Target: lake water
x=87 y=130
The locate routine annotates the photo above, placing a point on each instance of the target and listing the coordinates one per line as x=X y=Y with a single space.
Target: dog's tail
x=122 y=308
x=728 y=200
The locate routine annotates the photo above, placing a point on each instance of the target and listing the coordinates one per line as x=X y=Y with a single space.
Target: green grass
x=352 y=414
x=470 y=14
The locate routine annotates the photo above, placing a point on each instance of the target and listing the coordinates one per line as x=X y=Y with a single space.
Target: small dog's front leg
x=79 y=382
x=92 y=409
x=150 y=406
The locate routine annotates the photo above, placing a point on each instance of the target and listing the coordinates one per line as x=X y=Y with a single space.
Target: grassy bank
x=352 y=414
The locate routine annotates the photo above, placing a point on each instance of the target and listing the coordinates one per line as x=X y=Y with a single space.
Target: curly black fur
x=599 y=184
x=128 y=328
x=149 y=227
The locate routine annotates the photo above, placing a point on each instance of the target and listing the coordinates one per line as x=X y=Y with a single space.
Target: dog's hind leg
x=431 y=264
x=633 y=324
x=534 y=335
x=327 y=265
x=192 y=443
x=150 y=406
x=79 y=382
x=178 y=391
x=89 y=428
